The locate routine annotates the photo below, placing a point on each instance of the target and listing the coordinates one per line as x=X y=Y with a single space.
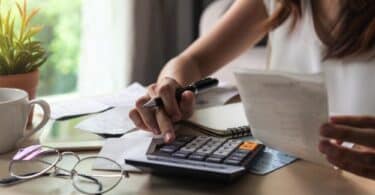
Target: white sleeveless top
x=350 y=84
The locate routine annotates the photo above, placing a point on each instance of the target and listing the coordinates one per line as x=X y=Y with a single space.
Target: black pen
x=195 y=87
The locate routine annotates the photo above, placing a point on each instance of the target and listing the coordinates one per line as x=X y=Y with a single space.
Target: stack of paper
x=83 y=106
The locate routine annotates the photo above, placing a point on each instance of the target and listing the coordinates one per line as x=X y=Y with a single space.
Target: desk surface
x=299 y=178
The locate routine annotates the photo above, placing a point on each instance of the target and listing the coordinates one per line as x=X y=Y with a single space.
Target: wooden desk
x=300 y=178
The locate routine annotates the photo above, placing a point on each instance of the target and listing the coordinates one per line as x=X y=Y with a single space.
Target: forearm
x=243 y=25
x=239 y=29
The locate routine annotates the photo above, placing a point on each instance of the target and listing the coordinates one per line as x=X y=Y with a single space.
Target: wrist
x=182 y=68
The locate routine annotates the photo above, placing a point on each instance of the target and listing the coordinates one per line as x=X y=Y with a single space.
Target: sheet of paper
x=216 y=96
x=76 y=107
x=115 y=121
x=117 y=149
x=285 y=110
x=89 y=105
x=126 y=97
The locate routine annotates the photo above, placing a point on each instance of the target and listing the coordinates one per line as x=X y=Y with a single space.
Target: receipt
x=115 y=122
x=285 y=110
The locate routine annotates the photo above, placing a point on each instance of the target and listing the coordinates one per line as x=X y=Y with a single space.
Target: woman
x=306 y=36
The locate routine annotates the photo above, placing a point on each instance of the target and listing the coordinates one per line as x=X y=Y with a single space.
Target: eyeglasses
x=37 y=161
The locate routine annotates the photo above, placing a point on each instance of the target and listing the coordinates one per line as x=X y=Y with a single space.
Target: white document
x=114 y=121
x=285 y=110
x=76 y=107
x=126 y=97
x=133 y=144
x=216 y=96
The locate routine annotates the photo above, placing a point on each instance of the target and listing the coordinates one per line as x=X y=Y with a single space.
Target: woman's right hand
x=161 y=120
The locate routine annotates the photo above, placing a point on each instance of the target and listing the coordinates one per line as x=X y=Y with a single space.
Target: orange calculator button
x=248 y=146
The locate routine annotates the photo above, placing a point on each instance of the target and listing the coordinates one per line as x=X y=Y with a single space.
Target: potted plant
x=20 y=55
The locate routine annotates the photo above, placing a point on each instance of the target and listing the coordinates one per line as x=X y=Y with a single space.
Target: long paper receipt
x=285 y=110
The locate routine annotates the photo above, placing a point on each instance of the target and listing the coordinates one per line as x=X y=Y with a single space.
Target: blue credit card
x=271 y=160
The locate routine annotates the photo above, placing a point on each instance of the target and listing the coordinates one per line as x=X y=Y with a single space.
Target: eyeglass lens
x=31 y=161
x=107 y=179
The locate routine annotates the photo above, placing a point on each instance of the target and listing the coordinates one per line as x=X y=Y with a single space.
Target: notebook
x=224 y=121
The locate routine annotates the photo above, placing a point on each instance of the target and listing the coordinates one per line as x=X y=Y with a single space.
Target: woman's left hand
x=359 y=130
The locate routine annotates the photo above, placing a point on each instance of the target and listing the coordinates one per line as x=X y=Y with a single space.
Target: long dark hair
x=356 y=32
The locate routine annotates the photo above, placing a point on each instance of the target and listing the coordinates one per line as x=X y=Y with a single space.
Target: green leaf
x=38 y=64
x=19 y=54
x=1 y=24
x=11 y=31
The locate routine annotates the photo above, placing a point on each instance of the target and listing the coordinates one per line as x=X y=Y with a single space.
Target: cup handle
x=46 y=116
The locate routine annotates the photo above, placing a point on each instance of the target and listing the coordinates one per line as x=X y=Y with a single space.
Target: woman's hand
x=358 y=130
x=160 y=120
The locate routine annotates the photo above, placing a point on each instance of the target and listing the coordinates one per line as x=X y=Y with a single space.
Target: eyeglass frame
x=72 y=172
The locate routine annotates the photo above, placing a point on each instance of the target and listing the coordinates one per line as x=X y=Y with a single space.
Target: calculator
x=201 y=156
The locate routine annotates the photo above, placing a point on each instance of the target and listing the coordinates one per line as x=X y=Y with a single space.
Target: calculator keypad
x=209 y=149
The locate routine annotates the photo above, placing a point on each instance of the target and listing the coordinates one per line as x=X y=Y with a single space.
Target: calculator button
x=188 y=149
x=250 y=146
x=214 y=160
x=168 y=148
x=240 y=154
x=217 y=156
x=243 y=151
x=185 y=138
x=204 y=151
x=195 y=144
x=227 y=147
x=197 y=157
x=232 y=162
x=233 y=142
x=233 y=157
x=180 y=154
x=178 y=143
x=221 y=152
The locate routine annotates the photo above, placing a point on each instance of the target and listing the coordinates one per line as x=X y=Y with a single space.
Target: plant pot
x=27 y=82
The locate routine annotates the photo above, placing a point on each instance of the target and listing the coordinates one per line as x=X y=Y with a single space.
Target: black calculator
x=203 y=156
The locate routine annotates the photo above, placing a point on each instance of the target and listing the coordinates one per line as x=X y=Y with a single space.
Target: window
x=61 y=37
x=88 y=43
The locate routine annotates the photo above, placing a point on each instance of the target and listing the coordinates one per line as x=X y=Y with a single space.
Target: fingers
x=137 y=119
x=147 y=115
x=167 y=91
x=166 y=125
x=187 y=104
x=161 y=120
x=364 y=137
x=356 y=121
x=354 y=168
x=358 y=162
x=363 y=158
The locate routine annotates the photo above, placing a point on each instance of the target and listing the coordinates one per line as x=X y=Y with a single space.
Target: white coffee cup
x=15 y=109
